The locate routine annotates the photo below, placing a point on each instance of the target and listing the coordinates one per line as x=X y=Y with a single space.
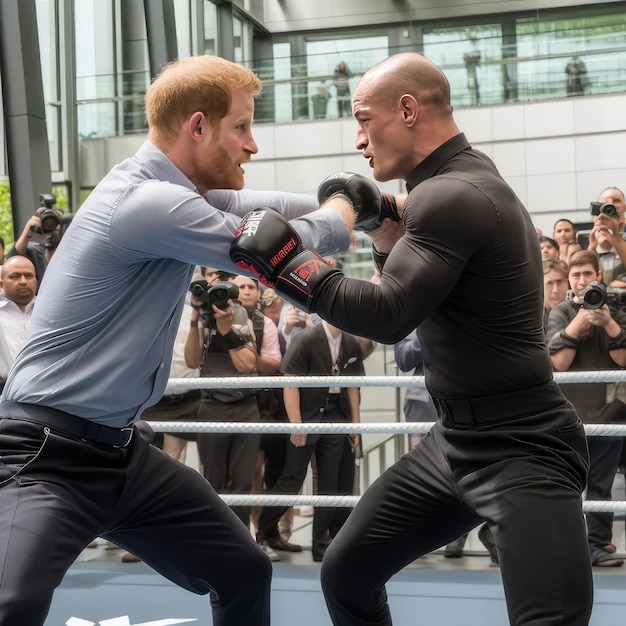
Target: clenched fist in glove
x=370 y=204
x=266 y=245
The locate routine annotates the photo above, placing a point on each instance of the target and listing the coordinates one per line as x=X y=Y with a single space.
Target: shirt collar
x=438 y=157
x=333 y=342
x=5 y=302
x=161 y=167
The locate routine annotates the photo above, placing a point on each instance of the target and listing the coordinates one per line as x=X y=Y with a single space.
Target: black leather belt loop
x=472 y=413
x=78 y=427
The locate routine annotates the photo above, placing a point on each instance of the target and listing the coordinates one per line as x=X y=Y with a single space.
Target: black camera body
x=596 y=295
x=217 y=295
x=600 y=207
x=50 y=218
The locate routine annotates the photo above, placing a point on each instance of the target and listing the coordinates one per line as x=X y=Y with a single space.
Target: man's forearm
x=354 y=397
x=291 y=399
x=291 y=205
x=344 y=208
x=324 y=231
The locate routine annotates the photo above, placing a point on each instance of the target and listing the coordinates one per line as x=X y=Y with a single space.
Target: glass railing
x=107 y=108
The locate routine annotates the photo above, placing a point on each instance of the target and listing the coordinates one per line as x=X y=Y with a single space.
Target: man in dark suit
x=319 y=351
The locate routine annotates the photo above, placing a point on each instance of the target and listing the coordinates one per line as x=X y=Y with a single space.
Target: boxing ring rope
x=181 y=385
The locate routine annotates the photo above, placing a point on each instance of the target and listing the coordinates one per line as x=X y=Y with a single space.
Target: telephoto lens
x=594 y=296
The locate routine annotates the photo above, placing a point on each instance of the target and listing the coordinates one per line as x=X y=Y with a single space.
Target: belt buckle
x=130 y=430
x=456 y=414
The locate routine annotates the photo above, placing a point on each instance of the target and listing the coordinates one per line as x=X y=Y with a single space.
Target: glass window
x=571 y=56
x=471 y=58
x=238 y=40
x=210 y=27
x=282 y=88
x=95 y=67
x=182 y=17
x=329 y=87
x=48 y=52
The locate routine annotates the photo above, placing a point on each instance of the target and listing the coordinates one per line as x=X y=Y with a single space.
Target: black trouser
x=345 y=487
x=524 y=477
x=59 y=493
x=275 y=448
x=604 y=457
x=328 y=454
x=228 y=459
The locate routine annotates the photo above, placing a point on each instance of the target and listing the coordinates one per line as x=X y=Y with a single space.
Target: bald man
x=19 y=286
x=463 y=265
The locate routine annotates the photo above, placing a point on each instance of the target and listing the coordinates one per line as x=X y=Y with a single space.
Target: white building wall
x=557 y=155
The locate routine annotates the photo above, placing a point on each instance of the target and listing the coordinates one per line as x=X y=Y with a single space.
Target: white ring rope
x=181 y=385
x=267 y=499
x=326 y=428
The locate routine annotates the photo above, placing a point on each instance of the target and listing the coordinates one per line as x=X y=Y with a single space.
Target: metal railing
x=502 y=79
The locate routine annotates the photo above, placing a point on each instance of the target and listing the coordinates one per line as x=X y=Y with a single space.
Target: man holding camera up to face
x=607 y=235
x=41 y=235
x=584 y=333
x=221 y=343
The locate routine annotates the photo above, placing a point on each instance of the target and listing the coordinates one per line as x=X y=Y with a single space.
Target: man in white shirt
x=19 y=285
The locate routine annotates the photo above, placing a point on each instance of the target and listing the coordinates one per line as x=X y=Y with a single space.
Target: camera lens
x=609 y=209
x=198 y=289
x=49 y=220
x=594 y=296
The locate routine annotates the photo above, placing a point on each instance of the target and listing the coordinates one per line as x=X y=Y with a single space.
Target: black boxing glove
x=264 y=243
x=301 y=277
x=370 y=204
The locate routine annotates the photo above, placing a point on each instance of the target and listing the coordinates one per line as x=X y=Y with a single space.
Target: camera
x=606 y=208
x=217 y=295
x=50 y=218
x=596 y=295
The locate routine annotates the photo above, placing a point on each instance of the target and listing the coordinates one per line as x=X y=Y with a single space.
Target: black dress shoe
x=278 y=543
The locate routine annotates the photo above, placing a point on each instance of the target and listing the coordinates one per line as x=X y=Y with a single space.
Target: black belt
x=470 y=413
x=78 y=427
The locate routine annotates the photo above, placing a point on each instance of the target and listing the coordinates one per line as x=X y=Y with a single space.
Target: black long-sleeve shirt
x=467 y=272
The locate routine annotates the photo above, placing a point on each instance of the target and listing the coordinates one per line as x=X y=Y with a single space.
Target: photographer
x=41 y=235
x=607 y=235
x=583 y=333
x=221 y=342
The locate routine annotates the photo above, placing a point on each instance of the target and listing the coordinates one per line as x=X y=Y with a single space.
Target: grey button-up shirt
x=102 y=332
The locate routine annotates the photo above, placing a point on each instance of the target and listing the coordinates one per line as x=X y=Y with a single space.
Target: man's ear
x=197 y=125
x=409 y=108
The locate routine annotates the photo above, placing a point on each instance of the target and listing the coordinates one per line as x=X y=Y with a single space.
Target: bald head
x=402 y=108
x=409 y=73
x=18 y=280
